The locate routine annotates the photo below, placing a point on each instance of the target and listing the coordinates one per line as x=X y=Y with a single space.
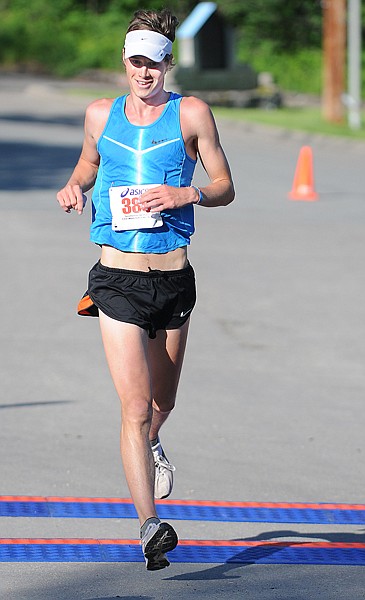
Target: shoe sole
x=155 y=563
x=159 y=497
x=164 y=540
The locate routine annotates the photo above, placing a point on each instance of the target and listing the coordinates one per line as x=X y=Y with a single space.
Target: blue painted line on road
x=186 y=510
x=186 y=552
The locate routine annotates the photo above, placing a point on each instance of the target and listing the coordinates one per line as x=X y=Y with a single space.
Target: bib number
x=127 y=213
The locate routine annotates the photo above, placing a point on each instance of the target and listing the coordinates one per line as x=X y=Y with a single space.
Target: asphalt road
x=270 y=408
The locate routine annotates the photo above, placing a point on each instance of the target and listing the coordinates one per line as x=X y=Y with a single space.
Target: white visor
x=151 y=44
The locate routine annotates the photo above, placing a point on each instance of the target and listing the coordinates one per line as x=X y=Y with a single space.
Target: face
x=145 y=77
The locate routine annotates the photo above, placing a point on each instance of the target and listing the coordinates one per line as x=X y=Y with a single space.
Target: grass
x=308 y=119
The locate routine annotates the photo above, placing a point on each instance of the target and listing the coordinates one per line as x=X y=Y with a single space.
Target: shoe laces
x=161 y=462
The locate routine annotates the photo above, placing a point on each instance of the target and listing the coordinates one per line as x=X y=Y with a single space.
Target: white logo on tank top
x=135 y=151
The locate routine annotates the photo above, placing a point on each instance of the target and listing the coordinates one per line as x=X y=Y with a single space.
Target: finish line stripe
x=188 y=551
x=122 y=508
x=210 y=503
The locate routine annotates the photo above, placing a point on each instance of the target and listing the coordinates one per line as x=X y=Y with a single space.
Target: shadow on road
x=27 y=166
x=69 y=121
x=250 y=556
x=31 y=404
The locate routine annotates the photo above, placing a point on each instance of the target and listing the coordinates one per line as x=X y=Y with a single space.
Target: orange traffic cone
x=303 y=184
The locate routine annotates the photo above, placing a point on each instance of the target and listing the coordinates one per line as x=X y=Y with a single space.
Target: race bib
x=127 y=213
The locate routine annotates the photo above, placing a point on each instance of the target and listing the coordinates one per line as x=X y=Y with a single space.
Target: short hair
x=162 y=21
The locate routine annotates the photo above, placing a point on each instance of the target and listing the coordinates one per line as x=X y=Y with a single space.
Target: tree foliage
x=288 y=25
x=66 y=36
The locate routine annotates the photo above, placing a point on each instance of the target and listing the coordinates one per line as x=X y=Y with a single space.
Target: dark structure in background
x=205 y=40
x=207 y=65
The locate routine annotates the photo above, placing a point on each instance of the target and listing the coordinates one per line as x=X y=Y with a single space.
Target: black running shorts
x=152 y=300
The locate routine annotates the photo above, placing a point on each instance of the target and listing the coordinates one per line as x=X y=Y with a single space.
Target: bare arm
x=84 y=174
x=220 y=190
x=201 y=138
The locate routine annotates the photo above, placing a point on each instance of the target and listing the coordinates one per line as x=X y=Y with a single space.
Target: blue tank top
x=140 y=155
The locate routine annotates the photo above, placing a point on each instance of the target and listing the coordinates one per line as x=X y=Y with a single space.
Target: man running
x=139 y=154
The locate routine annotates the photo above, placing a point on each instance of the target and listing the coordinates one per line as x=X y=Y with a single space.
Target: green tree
x=288 y=25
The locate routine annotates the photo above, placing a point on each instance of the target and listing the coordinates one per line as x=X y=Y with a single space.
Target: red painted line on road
x=255 y=544
x=66 y=541
x=208 y=503
x=65 y=499
x=202 y=543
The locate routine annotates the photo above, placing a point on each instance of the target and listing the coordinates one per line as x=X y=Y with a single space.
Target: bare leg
x=126 y=351
x=138 y=366
x=166 y=355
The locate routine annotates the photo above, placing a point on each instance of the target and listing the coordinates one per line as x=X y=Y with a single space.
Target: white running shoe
x=158 y=539
x=164 y=478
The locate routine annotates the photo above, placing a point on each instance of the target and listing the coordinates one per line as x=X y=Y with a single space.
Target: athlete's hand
x=71 y=197
x=166 y=197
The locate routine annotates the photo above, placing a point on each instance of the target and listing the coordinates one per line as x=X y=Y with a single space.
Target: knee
x=163 y=407
x=137 y=413
x=164 y=396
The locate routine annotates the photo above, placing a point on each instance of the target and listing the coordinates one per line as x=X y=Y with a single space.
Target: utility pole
x=334 y=57
x=354 y=64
